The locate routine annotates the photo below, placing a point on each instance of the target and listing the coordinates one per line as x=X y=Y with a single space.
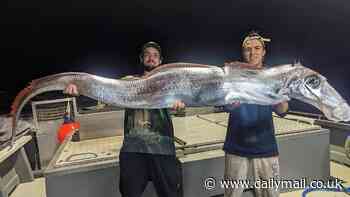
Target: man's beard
x=150 y=65
x=148 y=68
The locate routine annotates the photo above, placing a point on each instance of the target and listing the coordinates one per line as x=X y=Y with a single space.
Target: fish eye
x=313 y=81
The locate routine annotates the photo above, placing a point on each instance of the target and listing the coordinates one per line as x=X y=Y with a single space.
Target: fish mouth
x=341 y=113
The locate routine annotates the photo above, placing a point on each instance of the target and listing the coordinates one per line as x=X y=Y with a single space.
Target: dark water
x=5 y=102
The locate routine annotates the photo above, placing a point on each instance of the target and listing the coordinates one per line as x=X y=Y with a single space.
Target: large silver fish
x=199 y=85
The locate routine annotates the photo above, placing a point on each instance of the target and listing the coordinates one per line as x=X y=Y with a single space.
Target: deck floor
x=37 y=187
x=191 y=129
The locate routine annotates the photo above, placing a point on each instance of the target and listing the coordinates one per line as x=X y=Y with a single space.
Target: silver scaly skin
x=199 y=85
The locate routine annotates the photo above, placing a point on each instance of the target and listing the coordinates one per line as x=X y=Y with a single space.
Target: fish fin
x=22 y=94
x=176 y=65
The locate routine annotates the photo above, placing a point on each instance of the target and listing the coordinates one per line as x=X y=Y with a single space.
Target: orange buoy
x=67 y=129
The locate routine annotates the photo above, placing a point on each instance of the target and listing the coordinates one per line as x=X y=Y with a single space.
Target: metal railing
x=54 y=109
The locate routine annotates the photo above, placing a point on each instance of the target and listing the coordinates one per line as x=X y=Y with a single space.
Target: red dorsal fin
x=22 y=94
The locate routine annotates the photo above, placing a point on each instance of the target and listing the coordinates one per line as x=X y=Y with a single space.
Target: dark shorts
x=136 y=169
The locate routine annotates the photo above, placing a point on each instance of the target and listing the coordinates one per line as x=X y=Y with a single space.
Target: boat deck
x=194 y=130
x=37 y=187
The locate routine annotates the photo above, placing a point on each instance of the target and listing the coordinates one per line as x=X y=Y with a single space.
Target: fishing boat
x=86 y=162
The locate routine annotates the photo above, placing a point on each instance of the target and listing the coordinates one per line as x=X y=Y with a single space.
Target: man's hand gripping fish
x=199 y=85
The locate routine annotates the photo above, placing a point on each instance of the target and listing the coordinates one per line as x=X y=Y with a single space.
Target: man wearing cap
x=148 y=151
x=250 y=142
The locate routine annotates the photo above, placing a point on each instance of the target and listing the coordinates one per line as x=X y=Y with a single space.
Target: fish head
x=311 y=87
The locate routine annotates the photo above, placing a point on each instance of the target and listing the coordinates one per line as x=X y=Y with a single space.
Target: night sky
x=39 y=38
